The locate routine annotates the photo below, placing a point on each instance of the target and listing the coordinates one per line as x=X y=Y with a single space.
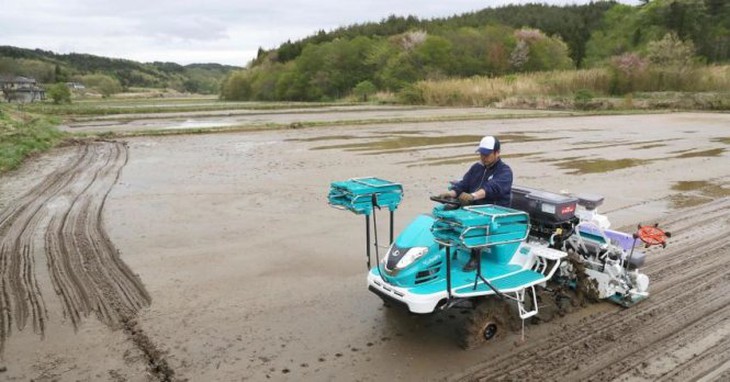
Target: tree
x=536 y=52
x=59 y=93
x=60 y=74
x=237 y=86
x=671 y=51
x=519 y=56
x=364 y=89
x=106 y=85
x=434 y=55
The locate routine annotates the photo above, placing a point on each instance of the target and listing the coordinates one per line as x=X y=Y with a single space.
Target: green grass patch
x=23 y=134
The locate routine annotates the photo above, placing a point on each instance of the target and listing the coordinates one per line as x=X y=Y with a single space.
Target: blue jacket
x=495 y=180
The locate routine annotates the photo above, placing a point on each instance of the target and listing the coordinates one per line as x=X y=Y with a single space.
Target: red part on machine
x=652 y=235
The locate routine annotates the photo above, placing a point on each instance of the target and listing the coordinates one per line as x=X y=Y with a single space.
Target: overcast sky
x=191 y=31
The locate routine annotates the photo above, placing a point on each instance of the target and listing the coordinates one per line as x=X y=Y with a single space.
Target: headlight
x=412 y=255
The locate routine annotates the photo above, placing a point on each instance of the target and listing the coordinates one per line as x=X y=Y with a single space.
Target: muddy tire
x=586 y=288
x=485 y=323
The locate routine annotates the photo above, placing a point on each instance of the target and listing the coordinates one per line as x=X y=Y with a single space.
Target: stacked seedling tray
x=479 y=226
x=361 y=195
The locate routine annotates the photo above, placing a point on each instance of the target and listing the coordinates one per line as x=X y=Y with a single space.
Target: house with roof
x=21 y=89
x=75 y=85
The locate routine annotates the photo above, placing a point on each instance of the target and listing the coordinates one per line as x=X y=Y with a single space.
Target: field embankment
x=23 y=134
x=114 y=106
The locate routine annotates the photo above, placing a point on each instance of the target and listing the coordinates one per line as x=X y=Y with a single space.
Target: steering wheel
x=450 y=203
x=652 y=235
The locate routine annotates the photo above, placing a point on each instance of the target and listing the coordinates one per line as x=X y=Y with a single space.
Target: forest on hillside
x=658 y=39
x=110 y=75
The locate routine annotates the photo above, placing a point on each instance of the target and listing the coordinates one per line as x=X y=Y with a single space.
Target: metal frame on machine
x=519 y=296
x=462 y=242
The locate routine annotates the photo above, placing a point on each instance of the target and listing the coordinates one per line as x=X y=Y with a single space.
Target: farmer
x=488 y=181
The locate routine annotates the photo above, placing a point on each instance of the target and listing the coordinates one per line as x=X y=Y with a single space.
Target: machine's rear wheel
x=484 y=324
x=586 y=289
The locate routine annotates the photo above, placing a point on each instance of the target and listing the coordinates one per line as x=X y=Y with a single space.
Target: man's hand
x=466 y=198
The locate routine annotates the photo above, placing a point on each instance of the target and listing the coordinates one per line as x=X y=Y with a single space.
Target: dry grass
x=559 y=87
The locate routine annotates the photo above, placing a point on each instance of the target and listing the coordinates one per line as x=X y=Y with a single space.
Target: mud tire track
x=64 y=213
x=77 y=240
x=17 y=227
x=682 y=332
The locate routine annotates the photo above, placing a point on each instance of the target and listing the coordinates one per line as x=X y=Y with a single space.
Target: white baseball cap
x=487 y=145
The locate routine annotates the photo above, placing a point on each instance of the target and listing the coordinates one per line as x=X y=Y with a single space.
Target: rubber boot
x=472 y=264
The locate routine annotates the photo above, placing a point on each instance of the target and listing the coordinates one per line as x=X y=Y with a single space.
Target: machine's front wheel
x=490 y=331
x=484 y=323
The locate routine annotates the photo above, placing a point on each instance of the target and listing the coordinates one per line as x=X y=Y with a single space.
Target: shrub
x=59 y=93
x=627 y=71
x=412 y=94
x=583 y=98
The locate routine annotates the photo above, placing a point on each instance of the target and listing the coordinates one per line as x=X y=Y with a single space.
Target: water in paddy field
x=193 y=124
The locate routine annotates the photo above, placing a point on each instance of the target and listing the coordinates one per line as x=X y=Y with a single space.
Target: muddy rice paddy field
x=215 y=256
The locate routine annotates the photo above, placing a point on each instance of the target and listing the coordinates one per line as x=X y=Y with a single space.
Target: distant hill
x=49 y=67
x=393 y=55
x=573 y=23
x=705 y=22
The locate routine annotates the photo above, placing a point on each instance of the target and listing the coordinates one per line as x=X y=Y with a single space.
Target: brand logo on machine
x=430 y=260
x=568 y=209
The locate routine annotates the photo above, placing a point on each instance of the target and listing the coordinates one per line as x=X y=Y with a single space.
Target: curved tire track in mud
x=60 y=222
x=682 y=332
x=75 y=239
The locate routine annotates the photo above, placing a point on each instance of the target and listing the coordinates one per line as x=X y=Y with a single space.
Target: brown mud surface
x=215 y=257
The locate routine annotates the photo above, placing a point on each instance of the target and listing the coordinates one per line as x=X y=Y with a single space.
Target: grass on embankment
x=24 y=134
x=701 y=88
